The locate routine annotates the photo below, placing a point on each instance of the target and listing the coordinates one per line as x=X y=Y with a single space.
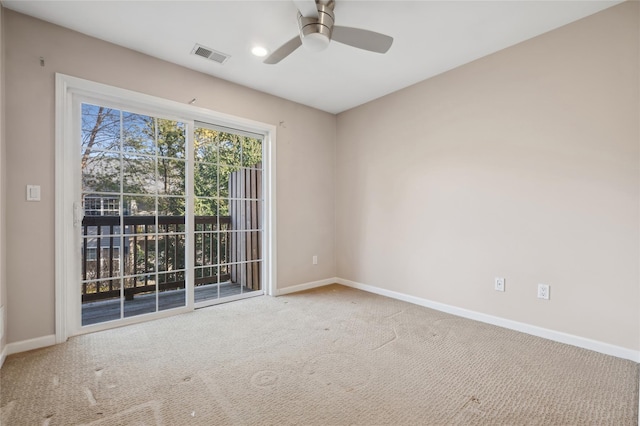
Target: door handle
x=77 y=214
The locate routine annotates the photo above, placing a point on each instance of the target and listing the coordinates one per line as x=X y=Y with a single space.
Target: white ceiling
x=430 y=37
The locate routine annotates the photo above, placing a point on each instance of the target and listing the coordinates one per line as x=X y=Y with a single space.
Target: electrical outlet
x=315 y=260
x=543 y=291
x=499 y=284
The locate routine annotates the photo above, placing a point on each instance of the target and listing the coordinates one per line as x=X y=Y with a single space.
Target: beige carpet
x=330 y=356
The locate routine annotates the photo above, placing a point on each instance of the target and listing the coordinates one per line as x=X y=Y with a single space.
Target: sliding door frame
x=70 y=91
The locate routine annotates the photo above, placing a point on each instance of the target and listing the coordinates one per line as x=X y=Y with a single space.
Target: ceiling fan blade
x=307 y=8
x=362 y=39
x=284 y=51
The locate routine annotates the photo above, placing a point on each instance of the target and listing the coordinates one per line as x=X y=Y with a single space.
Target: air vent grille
x=201 y=51
x=212 y=55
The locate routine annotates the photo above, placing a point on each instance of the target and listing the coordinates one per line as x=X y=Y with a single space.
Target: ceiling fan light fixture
x=315 y=33
x=315 y=42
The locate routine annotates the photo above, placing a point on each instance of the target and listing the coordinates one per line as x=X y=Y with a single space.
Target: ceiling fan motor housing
x=316 y=33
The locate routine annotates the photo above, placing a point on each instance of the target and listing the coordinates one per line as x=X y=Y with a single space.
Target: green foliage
x=218 y=155
x=139 y=154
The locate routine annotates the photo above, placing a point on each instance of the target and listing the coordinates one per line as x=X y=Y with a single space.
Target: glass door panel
x=133 y=230
x=228 y=201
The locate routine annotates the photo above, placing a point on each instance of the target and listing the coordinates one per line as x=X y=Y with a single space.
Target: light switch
x=33 y=192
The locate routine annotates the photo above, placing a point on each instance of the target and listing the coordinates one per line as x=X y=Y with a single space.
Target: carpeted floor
x=330 y=356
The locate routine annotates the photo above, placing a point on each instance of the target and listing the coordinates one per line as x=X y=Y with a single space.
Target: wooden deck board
x=109 y=310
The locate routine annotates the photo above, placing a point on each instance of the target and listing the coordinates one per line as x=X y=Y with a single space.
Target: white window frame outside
x=70 y=91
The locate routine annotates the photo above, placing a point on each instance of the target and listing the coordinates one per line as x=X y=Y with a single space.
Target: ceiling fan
x=315 y=22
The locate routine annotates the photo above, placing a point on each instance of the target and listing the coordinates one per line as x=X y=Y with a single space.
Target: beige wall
x=305 y=157
x=523 y=164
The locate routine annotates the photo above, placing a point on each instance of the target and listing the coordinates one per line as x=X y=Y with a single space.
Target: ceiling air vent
x=212 y=55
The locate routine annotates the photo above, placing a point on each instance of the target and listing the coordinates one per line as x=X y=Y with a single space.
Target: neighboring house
x=101 y=206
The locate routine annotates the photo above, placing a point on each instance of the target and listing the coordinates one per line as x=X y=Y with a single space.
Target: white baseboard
x=556 y=336
x=30 y=344
x=3 y=355
x=305 y=286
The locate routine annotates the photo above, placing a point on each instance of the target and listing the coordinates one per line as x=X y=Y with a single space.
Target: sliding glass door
x=172 y=214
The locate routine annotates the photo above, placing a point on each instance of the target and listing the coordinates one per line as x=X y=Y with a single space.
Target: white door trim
x=67 y=185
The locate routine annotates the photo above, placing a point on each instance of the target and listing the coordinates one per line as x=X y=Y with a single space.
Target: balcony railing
x=150 y=256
